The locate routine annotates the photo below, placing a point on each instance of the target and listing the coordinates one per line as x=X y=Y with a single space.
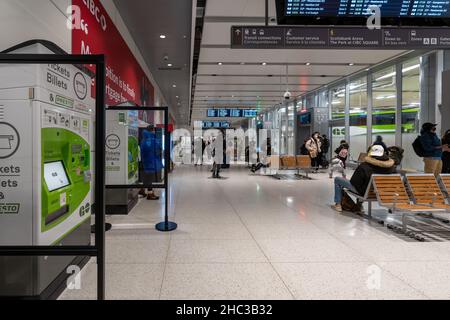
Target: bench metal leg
x=369 y=209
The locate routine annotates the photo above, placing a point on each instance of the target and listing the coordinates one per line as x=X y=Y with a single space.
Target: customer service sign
x=93 y=32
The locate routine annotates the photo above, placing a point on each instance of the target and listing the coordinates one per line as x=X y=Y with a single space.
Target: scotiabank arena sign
x=95 y=33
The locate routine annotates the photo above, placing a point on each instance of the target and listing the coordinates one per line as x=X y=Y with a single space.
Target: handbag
x=348 y=204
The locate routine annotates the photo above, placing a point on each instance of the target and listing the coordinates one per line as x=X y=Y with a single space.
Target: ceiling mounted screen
x=355 y=12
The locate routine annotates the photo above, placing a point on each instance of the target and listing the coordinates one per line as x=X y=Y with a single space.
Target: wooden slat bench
x=426 y=191
x=392 y=194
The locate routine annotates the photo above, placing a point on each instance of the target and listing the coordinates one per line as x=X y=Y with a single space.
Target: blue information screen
x=354 y=8
x=232 y=113
x=216 y=125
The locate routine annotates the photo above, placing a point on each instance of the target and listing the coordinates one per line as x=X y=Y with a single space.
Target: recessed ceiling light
x=242 y=63
x=163 y=36
x=308 y=63
x=220 y=63
x=177 y=97
x=174 y=86
x=169 y=65
x=351 y=64
x=264 y=63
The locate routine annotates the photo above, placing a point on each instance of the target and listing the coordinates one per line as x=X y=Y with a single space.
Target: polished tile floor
x=254 y=237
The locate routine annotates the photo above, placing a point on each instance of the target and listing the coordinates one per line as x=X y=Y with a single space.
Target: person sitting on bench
x=377 y=162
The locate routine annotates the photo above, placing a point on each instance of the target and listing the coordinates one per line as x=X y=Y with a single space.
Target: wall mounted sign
x=126 y=81
x=296 y=37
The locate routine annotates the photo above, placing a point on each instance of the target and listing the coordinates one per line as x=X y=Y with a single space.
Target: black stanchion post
x=166 y=225
x=100 y=178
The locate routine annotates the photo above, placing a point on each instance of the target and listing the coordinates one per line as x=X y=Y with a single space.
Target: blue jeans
x=339 y=184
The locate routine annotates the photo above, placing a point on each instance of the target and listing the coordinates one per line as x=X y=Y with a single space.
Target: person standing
x=432 y=148
x=313 y=145
x=446 y=153
x=151 y=153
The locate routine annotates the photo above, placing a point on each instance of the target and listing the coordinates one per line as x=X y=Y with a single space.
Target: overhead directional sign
x=299 y=37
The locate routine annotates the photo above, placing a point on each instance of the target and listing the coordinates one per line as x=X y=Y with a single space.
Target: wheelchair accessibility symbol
x=9 y=140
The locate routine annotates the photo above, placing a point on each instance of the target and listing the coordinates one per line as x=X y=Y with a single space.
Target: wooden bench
x=444 y=181
x=392 y=194
x=304 y=165
x=426 y=191
x=295 y=163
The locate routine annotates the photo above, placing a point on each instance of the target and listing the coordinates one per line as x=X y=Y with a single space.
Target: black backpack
x=418 y=147
x=396 y=154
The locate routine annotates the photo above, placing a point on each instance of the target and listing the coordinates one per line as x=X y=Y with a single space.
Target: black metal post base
x=166 y=226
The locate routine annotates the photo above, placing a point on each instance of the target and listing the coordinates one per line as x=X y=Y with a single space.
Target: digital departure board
x=393 y=12
x=216 y=125
x=232 y=113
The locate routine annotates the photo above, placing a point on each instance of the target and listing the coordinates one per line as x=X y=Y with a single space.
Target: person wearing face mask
x=313 y=145
x=432 y=148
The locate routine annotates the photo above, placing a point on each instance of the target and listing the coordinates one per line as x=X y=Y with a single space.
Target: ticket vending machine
x=45 y=170
x=122 y=159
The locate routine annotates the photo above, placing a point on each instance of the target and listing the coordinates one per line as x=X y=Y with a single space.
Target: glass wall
x=291 y=129
x=337 y=116
x=384 y=105
x=381 y=116
x=410 y=111
x=358 y=117
x=282 y=117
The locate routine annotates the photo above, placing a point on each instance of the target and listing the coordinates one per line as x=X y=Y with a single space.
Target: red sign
x=97 y=34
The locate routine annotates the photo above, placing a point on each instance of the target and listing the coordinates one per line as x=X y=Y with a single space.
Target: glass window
x=410 y=112
x=283 y=130
x=358 y=117
x=290 y=129
x=384 y=105
x=337 y=115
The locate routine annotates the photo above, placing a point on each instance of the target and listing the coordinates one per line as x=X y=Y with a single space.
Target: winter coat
x=151 y=152
x=361 y=178
x=430 y=141
x=314 y=147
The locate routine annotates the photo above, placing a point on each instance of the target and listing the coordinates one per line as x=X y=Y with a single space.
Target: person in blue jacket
x=433 y=149
x=151 y=157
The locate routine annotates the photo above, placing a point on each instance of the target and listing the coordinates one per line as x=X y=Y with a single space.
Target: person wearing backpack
x=432 y=149
x=313 y=145
x=339 y=162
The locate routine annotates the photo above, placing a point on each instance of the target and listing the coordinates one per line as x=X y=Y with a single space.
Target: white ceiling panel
x=295 y=55
x=239 y=8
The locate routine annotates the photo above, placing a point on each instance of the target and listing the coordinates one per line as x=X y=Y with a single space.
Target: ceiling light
x=264 y=63
x=174 y=86
x=308 y=63
x=411 y=68
x=242 y=63
x=351 y=64
x=220 y=63
x=163 y=36
x=169 y=65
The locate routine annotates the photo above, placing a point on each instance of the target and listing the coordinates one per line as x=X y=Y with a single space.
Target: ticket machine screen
x=55 y=176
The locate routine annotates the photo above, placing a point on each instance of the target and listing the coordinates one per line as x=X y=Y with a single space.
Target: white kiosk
x=46 y=114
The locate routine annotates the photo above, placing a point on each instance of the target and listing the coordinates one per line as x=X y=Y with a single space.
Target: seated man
x=377 y=162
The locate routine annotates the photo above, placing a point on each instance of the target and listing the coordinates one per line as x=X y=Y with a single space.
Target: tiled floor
x=254 y=237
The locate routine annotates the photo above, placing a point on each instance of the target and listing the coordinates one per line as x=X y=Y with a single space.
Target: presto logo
x=9 y=208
